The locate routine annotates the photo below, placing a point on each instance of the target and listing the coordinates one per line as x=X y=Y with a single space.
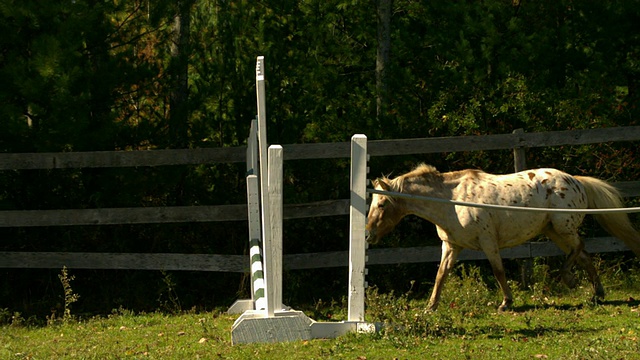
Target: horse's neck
x=430 y=210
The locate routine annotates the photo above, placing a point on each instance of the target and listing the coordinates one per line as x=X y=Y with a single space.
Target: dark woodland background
x=90 y=75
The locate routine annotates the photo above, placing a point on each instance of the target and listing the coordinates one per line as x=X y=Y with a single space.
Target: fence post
x=272 y=246
x=357 y=241
x=520 y=164
x=519 y=156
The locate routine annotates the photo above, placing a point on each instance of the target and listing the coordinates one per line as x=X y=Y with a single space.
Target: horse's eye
x=380 y=205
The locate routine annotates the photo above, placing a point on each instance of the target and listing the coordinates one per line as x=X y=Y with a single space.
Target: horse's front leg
x=491 y=250
x=448 y=259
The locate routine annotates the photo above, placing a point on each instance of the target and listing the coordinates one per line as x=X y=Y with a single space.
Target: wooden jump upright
x=275 y=323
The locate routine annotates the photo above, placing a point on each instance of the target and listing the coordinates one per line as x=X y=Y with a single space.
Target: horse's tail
x=602 y=195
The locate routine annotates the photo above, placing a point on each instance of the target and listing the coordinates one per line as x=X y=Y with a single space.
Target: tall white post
x=264 y=171
x=357 y=240
x=273 y=245
x=262 y=113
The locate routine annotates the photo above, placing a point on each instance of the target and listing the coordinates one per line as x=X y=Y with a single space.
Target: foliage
x=69 y=296
x=90 y=76
x=564 y=327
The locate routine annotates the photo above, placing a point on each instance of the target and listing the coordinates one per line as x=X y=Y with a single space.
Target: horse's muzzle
x=370 y=236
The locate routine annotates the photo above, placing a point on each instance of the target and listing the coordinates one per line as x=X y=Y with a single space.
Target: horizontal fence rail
x=179 y=214
x=100 y=159
x=426 y=254
x=238 y=263
x=124 y=261
x=158 y=215
x=106 y=159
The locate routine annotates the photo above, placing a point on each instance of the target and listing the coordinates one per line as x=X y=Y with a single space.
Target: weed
x=120 y=311
x=69 y=296
x=332 y=310
x=9 y=318
x=5 y=315
x=466 y=290
x=404 y=317
x=168 y=298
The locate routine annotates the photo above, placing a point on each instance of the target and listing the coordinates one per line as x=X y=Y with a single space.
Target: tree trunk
x=179 y=67
x=382 y=57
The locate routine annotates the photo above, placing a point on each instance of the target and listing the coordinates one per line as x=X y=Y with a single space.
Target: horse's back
x=540 y=188
x=544 y=187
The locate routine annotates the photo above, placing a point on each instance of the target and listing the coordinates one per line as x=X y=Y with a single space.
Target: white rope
x=505 y=207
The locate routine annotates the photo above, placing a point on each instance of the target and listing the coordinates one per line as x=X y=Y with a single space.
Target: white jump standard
x=265 y=319
x=290 y=325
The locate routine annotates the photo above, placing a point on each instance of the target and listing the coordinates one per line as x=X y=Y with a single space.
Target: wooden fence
x=239 y=263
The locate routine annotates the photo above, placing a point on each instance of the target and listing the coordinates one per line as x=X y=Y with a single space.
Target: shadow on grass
x=631 y=302
x=536 y=327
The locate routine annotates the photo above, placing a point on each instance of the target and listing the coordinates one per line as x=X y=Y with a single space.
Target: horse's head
x=384 y=213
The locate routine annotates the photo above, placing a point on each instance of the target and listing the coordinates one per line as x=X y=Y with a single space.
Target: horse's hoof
x=505 y=306
x=570 y=281
x=597 y=300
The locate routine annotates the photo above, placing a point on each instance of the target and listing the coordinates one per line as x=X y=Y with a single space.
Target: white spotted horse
x=490 y=230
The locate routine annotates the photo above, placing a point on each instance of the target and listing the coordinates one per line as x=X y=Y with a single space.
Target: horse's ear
x=384 y=185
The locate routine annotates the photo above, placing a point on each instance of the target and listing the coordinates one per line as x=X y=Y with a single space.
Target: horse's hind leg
x=567 y=276
x=574 y=246
x=585 y=261
x=571 y=245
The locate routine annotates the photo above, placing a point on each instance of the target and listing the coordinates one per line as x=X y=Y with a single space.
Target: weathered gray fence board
x=176 y=214
x=502 y=141
x=579 y=137
x=628 y=188
x=141 y=215
x=431 y=254
x=100 y=159
x=169 y=262
x=156 y=215
x=465 y=143
x=441 y=145
x=238 y=263
x=315 y=209
x=22 y=161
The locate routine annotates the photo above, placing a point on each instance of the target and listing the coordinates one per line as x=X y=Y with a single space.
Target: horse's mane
x=422 y=170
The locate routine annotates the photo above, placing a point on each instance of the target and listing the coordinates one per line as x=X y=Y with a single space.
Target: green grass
x=548 y=322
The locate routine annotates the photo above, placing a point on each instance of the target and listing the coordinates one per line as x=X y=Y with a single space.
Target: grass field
x=548 y=322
